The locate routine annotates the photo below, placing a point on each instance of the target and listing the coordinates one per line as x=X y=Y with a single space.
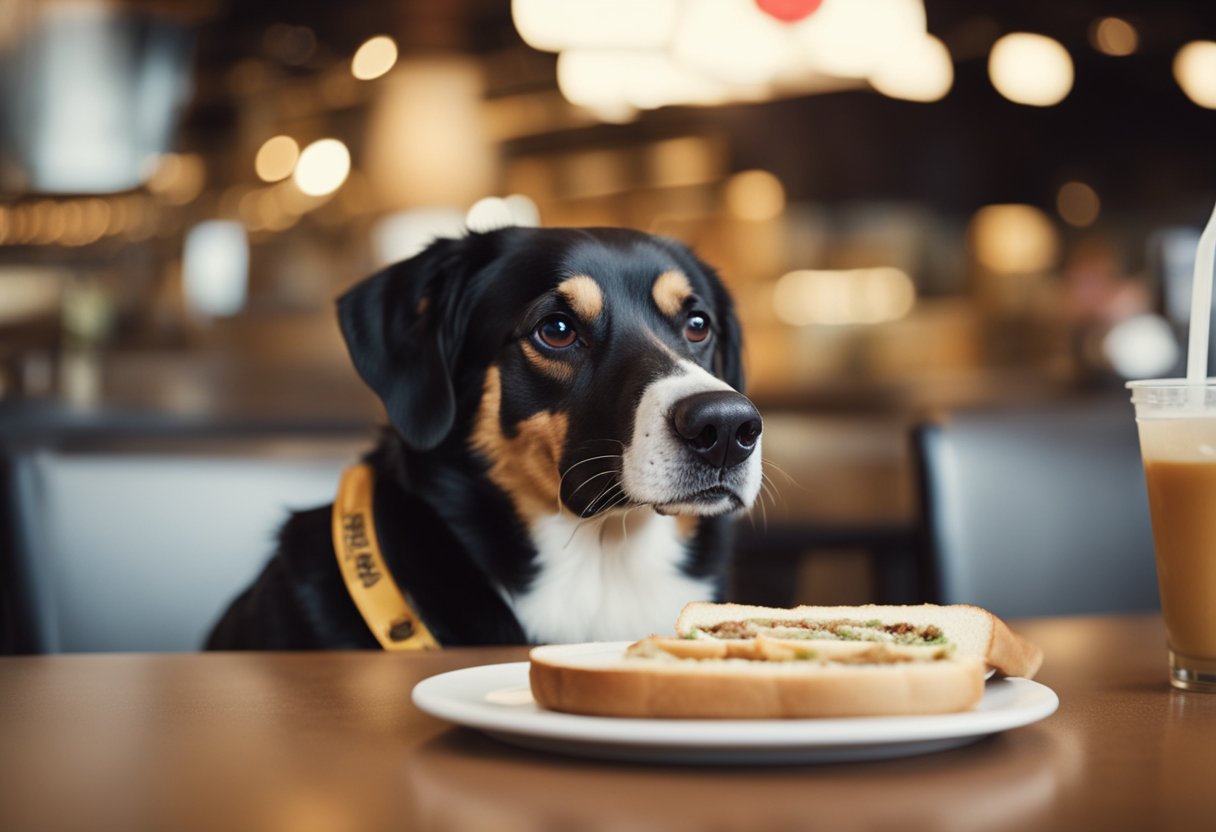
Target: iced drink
x=1177 y=426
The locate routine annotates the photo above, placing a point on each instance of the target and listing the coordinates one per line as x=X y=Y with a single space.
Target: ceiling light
x=730 y=41
x=643 y=79
x=554 y=25
x=918 y=71
x=426 y=141
x=1030 y=69
x=323 y=167
x=1114 y=36
x=851 y=38
x=374 y=58
x=276 y=158
x=1195 y=71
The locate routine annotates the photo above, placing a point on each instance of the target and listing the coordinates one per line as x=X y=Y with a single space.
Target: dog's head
x=590 y=369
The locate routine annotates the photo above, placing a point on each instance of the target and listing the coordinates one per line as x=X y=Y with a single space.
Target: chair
x=1036 y=511
x=134 y=548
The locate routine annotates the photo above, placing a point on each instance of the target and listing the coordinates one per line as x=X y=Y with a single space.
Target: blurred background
x=922 y=208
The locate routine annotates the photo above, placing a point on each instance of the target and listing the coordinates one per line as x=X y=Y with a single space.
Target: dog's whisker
x=584 y=519
x=617 y=501
x=589 y=509
x=620 y=500
x=782 y=472
x=614 y=502
x=590 y=518
x=762 y=504
x=574 y=532
x=562 y=479
x=610 y=492
x=774 y=493
x=589 y=459
x=776 y=500
x=584 y=462
x=624 y=523
x=768 y=489
x=588 y=480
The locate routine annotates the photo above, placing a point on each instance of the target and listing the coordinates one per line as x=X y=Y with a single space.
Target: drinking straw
x=1201 y=312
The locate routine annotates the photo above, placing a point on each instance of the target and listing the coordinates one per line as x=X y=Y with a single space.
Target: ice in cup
x=1177 y=426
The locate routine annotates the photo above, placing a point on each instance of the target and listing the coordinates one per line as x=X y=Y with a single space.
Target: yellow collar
x=381 y=602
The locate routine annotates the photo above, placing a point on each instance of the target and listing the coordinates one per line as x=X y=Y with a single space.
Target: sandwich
x=728 y=661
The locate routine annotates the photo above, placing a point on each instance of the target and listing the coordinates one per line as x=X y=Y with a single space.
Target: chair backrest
x=1038 y=511
x=131 y=550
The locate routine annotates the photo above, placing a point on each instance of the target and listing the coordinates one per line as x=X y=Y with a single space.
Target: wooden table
x=331 y=743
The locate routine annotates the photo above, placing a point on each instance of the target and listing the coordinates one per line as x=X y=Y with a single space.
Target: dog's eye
x=556 y=332
x=697 y=327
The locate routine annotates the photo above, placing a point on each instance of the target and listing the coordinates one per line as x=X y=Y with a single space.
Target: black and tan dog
x=568 y=445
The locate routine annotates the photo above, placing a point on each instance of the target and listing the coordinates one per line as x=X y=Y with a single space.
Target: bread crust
x=741 y=689
x=1010 y=654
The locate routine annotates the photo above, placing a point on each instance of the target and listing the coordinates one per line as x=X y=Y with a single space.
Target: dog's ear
x=404 y=345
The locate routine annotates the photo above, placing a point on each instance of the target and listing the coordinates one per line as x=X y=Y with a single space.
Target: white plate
x=496 y=699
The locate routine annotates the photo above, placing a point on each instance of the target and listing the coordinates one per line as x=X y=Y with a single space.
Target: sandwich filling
x=813 y=630
x=765 y=648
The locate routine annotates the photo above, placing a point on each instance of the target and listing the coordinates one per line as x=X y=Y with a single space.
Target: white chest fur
x=611 y=578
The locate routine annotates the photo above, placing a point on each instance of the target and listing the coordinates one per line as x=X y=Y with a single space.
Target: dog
x=568 y=446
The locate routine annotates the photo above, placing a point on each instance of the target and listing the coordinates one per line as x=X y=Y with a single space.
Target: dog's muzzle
x=696 y=446
x=720 y=426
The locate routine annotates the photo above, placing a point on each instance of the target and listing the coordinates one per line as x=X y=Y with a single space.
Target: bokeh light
x=276 y=158
x=1142 y=346
x=754 y=195
x=1078 y=204
x=843 y=297
x=374 y=58
x=323 y=167
x=918 y=71
x=1195 y=71
x=1114 y=36
x=1014 y=239
x=488 y=214
x=1030 y=69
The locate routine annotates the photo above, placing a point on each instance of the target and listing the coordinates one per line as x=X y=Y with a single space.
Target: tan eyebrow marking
x=670 y=290
x=584 y=296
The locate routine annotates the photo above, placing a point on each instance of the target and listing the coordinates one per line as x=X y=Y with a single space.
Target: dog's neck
x=617 y=576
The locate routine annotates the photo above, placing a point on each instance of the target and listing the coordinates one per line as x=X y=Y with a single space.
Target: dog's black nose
x=722 y=426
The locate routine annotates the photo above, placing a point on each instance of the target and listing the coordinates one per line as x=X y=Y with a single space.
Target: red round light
x=789 y=11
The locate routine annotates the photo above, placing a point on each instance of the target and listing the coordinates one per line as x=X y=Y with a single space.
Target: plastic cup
x=1176 y=420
